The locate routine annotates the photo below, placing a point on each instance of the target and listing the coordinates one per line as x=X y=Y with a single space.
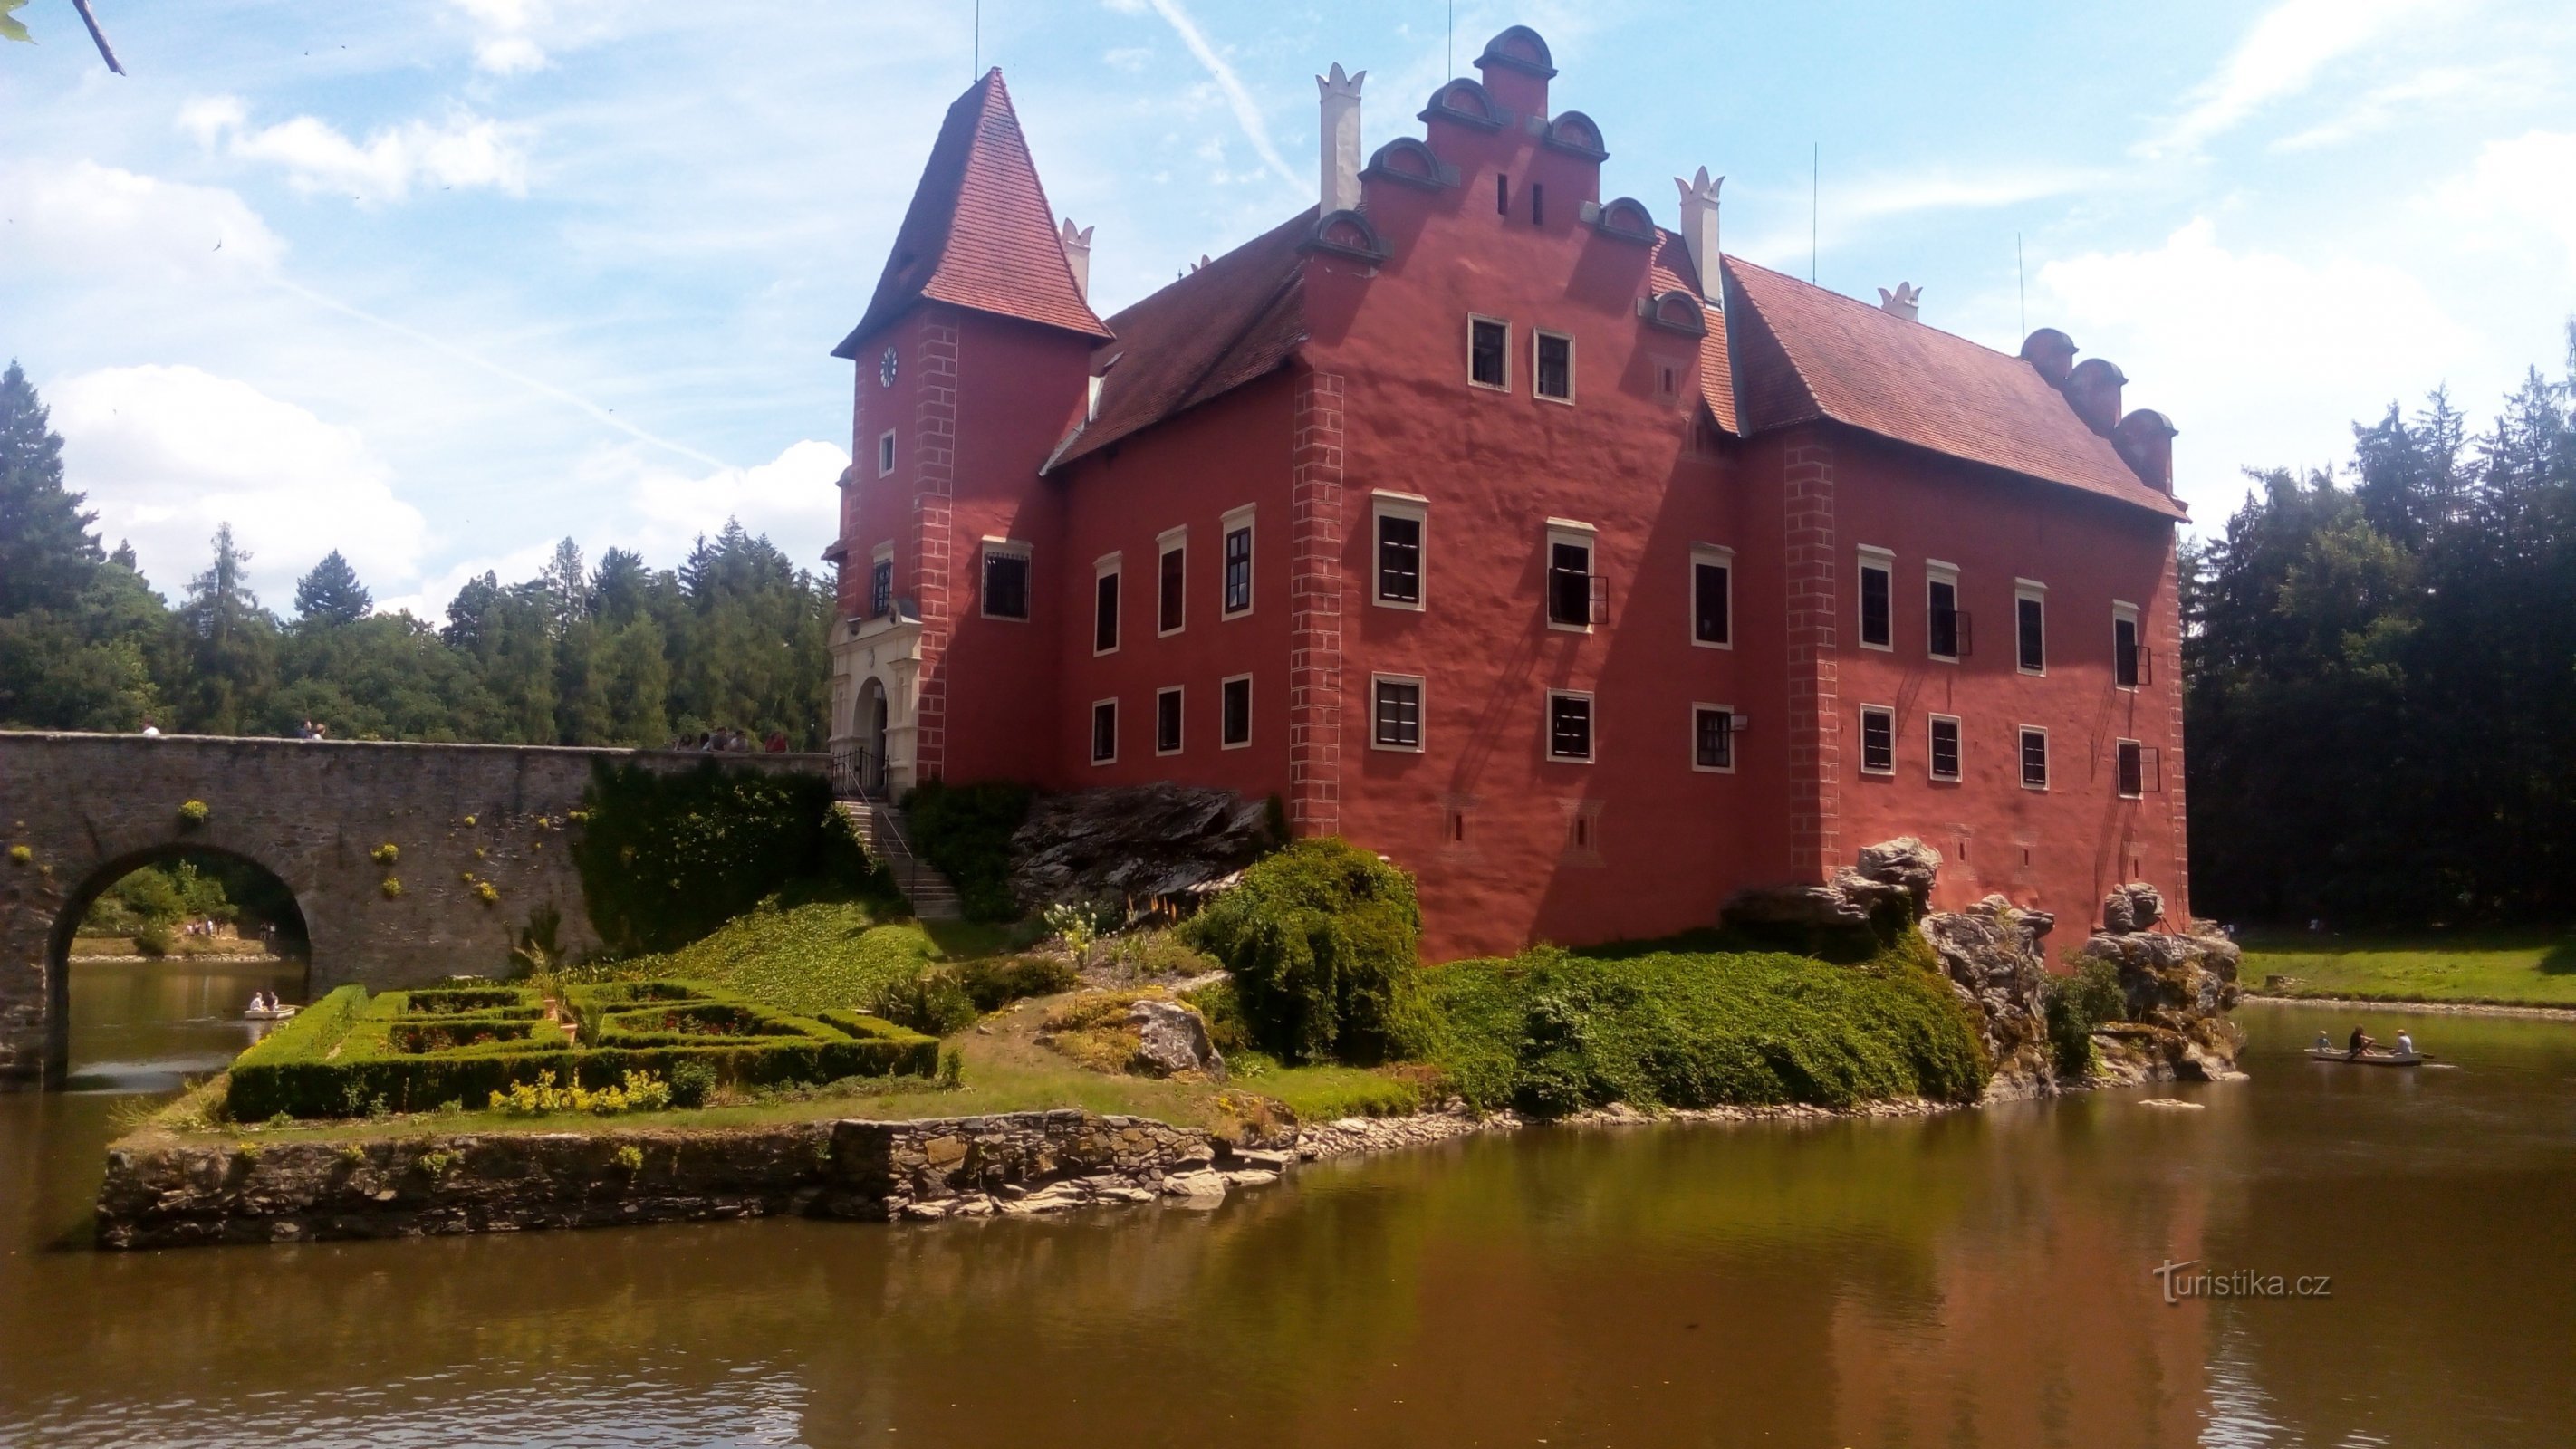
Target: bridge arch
x=409 y=862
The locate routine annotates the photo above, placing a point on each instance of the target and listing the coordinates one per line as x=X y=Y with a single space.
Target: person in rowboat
x=2405 y=1043
x=2325 y=1043
x=2362 y=1041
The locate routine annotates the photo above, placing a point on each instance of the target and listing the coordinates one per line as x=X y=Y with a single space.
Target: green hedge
x=665 y=859
x=966 y=830
x=1321 y=939
x=348 y=1050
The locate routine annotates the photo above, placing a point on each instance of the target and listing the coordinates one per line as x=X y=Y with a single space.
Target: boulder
x=1990 y=952
x=1172 y=1039
x=2176 y=992
x=1902 y=869
x=2136 y=906
x=1132 y=844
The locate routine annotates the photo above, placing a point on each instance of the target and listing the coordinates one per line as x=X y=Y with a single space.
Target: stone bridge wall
x=89 y=808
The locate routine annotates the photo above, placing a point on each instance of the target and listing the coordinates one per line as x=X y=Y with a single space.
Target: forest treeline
x=619 y=653
x=2380 y=674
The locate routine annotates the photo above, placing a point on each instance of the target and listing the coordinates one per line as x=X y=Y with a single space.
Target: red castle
x=1584 y=572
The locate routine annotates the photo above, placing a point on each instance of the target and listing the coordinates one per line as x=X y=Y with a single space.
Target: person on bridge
x=151 y=731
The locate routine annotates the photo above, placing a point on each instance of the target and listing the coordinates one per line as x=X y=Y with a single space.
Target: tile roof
x=979 y=233
x=1213 y=330
x=1671 y=270
x=1804 y=353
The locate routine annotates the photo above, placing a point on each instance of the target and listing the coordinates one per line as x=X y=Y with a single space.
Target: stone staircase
x=880 y=829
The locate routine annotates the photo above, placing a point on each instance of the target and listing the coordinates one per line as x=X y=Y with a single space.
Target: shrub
x=392 y=888
x=932 y=1002
x=1552 y=1033
x=692 y=1083
x=21 y=855
x=1076 y=926
x=636 y=1092
x=1320 y=938
x=193 y=813
x=994 y=982
x=2077 y=1004
x=952 y=1069
x=153 y=938
x=486 y=892
x=667 y=859
x=965 y=830
x=385 y=854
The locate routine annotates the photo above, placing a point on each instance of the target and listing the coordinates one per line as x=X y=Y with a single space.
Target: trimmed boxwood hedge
x=348 y=1050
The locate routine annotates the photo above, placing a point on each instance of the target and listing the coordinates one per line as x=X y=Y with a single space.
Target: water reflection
x=1981 y=1279
x=148 y=1026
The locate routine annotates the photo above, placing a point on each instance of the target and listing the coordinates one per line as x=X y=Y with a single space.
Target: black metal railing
x=858 y=774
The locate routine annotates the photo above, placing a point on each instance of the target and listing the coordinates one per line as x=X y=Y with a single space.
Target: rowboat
x=268 y=1013
x=2368 y=1059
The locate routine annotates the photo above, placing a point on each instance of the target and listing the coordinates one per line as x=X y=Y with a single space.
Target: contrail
x=535 y=385
x=1246 y=114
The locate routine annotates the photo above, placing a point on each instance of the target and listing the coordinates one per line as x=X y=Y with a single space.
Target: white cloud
x=464 y=150
x=791 y=498
x=167 y=453
x=2278 y=58
x=94 y=221
x=1848 y=208
x=2261 y=360
x=2516 y=198
x=1246 y=113
x=2382 y=105
x=514 y=37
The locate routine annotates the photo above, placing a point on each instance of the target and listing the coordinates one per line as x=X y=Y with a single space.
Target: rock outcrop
x=1991 y=954
x=1893 y=871
x=1171 y=1039
x=1128 y=845
x=2177 y=989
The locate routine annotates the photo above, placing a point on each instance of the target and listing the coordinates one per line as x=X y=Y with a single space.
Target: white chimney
x=1077 y=255
x=1340 y=190
x=1699 y=228
x=1906 y=301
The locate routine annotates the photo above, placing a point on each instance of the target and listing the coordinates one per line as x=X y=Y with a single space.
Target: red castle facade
x=1585 y=573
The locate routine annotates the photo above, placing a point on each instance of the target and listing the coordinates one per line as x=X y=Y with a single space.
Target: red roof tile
x=979 y=233
x=1213 y=330
x=1671 y=270
x=1804 y=353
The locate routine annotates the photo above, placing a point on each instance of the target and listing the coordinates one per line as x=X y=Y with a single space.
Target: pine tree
x=331 y=594
x=567 y=588
x=46 y=549
x=228 y=643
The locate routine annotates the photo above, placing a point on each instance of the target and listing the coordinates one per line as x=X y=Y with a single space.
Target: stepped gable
x=1805 y=353
x=979 y=233
x=1219 y=327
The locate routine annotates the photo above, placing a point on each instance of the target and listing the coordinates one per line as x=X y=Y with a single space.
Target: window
x=1234 y=712
x=2034 y=758
x=1167 y=721
x=2030 y=610
x=1395 y=712
x=1502 y=194
x=1104 y=605
x=1555 y=380
x=1399 y=550
x=1877 y=599
x=1945 y=747
x=881 y=583
x=1538 y=204
x=1712 y=738
x=1576 y=597
x=1712 y=596
x=1489 y=353
x=1569 y=726
x=1006 y=579
x=1170 y=576
x=1943 y=625
x=1238 y=563
x=2128 y=659
x=1877 y=741
x=1104 y=732
x=885 y=452
x=2138 y=769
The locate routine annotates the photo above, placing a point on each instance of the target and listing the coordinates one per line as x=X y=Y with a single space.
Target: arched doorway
x=153 y=960
x=872 y=736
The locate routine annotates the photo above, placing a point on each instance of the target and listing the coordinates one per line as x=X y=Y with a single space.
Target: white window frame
x=2021 y=767
x=1537 y=336
x=1384 y=504
x=1181 y=709
x=1106 y=566
x=2037 y=592
x=1697 y=708
x=1937 y=572
x=1005 y=548
x=1591 y=731
x=1231 y=522
x=1222 y=742
x=1164 y=543
x=885 y=453
x=1931 y=770
x=1870 y=556
x=1866 y=711
x=2123 y=612
x=1584 y=535
x=2141 y=747
x=1421 y=713
x=1092 y=744
x=1506 y=385
x=1720 y=556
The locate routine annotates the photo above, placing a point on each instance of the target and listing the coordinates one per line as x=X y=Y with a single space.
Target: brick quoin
x=1315 y=609
x=934 y=452
x=1815 y=733
x=2167 y=642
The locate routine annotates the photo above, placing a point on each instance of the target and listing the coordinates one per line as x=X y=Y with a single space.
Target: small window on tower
x=2034 y=759
x=1712 y=596
x=1569 y=726
x=1877 y=599
x=1104 y=732
x=885 y=452
x=1234 y=712
x=1238 y=563
x=1006 y=580
x=1399 y=550
x=2128 y=657
x=1712 y=737
x=1104 y=606
x=1877 y=741
x=1167 y=721
x=1489 y=353
x=881 y=584
x=1174 y=569
x=1502 y=194
x=1538 y=204
x=1945 y=747
x=1944 y=626
x=1555 y=367
x=1396 y=720
x=2030 y=619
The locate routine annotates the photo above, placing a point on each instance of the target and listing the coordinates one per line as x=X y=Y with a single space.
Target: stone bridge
x=79 y=811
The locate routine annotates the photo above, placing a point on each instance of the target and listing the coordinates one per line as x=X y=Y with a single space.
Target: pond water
x=1984 y=1278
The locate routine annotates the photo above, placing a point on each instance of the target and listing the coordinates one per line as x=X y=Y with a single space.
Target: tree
x=567 y=588
x=227 y=642
x=331 y=594
x=46 y=548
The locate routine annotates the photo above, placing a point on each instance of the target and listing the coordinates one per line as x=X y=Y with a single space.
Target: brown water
x=1980 y=1279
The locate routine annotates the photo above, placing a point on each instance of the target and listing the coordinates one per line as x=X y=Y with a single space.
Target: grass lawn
x=811 y=957
x=180 y=948
x=2529 y=968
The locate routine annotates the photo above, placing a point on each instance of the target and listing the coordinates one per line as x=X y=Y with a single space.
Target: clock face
x=885 y=368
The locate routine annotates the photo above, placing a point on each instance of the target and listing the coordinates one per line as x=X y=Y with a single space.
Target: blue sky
x=438 y=283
